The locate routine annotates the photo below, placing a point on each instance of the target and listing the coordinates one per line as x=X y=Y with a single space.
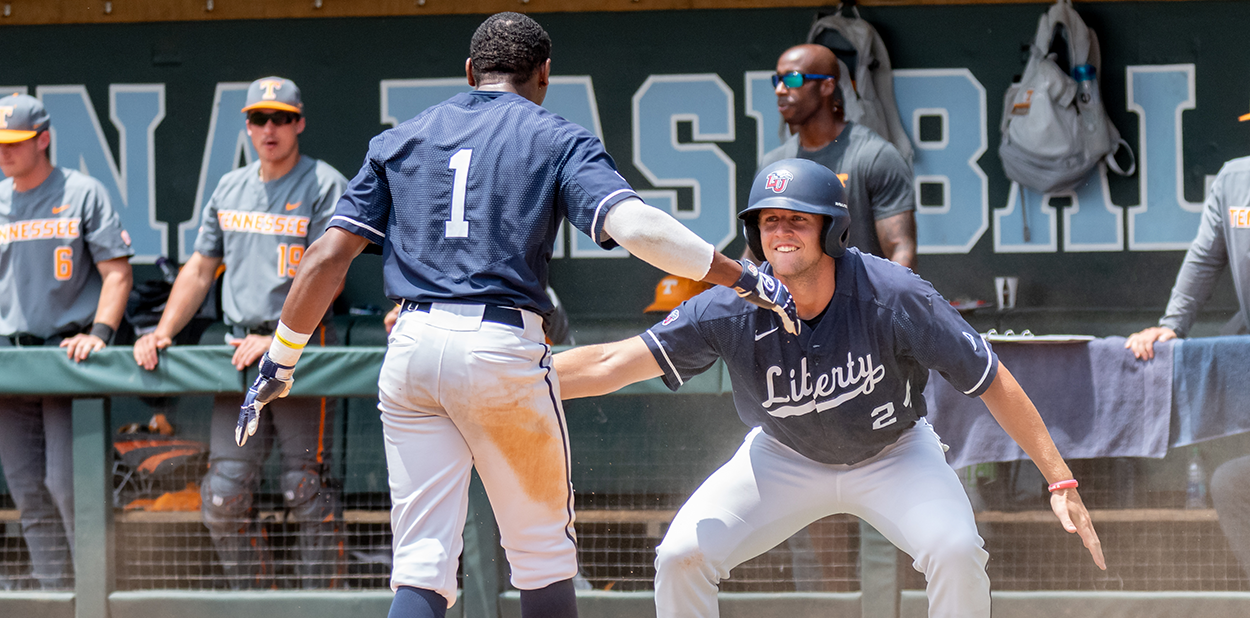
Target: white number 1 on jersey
x=457 y=227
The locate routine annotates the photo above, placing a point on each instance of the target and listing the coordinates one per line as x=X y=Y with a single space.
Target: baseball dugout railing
x=636 y=457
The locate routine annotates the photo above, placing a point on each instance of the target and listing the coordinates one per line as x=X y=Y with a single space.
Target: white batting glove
x=273 y=382
x=765 y=291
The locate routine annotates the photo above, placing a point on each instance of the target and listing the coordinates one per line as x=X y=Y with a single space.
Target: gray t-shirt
x=1223 y=240
x=50 y=239
x=261 y=230
x=878 y=181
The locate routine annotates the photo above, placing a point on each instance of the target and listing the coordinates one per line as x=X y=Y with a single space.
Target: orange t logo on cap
x=269 y=86
x=5 y=112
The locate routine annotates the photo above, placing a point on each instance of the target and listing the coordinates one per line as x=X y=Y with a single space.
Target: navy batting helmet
x=803 y=186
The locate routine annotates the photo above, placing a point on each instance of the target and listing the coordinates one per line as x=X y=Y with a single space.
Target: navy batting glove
x=273 y=382
x=765 y=291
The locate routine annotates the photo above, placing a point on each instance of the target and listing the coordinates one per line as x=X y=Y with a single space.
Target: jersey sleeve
x=210 y=242
x=590 y=186
x=102 y=228
x=365 y=206
x=679 y=345
x=1204 y=262
x=931 y=331
x=330 y=187
x=889 y=182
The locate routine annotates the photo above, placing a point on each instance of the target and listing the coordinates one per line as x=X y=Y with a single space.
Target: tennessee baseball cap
x=274 y=93
x=21 y=118
x=672 y=290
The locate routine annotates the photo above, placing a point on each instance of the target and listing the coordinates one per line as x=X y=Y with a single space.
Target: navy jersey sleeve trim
x=991 y=371
x=360 y=229
x=601 y=213
x=672 y=377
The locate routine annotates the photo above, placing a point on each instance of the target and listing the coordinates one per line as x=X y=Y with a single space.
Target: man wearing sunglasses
x=878 y=180
x=257 y=224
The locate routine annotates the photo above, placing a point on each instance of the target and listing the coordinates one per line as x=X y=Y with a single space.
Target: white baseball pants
x=767 y=492
x=457 y=392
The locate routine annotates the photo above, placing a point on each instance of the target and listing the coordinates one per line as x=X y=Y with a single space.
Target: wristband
x=103 y=331
x=1068 y=484
x=287 y=345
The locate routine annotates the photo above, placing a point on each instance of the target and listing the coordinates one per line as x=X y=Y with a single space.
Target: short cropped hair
x=511 y=44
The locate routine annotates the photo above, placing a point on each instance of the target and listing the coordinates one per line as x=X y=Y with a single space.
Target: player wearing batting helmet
x=837 y=410
x=64 y=276
x=466 y=200
x=257 y=224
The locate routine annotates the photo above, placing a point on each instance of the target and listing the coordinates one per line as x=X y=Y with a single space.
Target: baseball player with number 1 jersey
x=257 y=224
x=466 y=201
x=837 y=410
x=64 y=277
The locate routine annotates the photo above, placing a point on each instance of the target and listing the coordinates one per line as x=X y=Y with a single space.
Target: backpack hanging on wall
x=1055 y=129
x=866 y=79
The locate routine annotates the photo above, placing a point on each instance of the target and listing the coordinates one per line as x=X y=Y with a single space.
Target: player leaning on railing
x=465 y=200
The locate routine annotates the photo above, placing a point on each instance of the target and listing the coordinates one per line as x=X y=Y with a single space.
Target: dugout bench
x=601 y=462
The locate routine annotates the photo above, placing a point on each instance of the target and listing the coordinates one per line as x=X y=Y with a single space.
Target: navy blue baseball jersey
x=467 y=197
x=851 y=383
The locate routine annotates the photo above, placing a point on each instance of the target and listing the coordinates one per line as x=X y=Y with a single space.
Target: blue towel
x=1096 y=399
x=1212 y=388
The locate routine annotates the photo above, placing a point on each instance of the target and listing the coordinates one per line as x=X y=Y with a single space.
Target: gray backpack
x=866 y=79
x=1055 y=130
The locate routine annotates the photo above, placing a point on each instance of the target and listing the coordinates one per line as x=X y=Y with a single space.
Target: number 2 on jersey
x=457 y=227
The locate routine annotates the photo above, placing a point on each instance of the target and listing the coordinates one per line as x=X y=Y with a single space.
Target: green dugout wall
x=354 y=71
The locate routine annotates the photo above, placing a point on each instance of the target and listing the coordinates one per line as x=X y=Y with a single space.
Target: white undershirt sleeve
x=658 y=239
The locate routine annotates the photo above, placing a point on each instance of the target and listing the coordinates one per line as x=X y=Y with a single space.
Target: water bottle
x=1196 y=486
x=1087 y=94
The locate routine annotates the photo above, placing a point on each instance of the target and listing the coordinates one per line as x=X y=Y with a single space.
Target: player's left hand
x=763 y=290
x=1067 y=505
x=248 y=349
x=273 y=382
x=80 y=346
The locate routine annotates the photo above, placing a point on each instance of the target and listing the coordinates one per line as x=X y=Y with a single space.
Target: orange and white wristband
x=1068 y=484
x=287 y=345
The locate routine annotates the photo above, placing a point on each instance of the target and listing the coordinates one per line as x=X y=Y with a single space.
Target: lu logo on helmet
x=778 y=180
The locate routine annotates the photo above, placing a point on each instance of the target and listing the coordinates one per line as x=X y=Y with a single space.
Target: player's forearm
x=118 y=279
x=321 y=274
x=594 y=370
x=1017 y=415
x=897 y=235
x=194 y=280
x=658 y=239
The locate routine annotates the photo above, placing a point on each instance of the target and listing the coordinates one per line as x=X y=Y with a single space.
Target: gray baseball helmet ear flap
x=802 y=186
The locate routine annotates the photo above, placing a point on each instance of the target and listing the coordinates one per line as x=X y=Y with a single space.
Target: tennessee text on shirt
x=1239 y=217
x=262 y=223
x=39 y=229
x=832 y=389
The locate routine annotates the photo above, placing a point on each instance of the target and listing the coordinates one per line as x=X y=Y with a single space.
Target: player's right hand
x=1143 y=344
x=1067 y=505
x=763 y=290
x=146 y=348
x=273 y=382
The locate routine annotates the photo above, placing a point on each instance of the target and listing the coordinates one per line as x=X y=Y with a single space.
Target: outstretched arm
x=601 y=369
x=663 y=242
x=318 y=281
x=1017 y=415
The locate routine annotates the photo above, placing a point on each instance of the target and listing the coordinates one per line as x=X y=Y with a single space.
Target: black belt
x=29 y=340
x=26 y=340
x=263 y=330
x=499 y=315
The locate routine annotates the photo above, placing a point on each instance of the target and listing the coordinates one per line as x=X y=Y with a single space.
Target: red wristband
x=1068 y=484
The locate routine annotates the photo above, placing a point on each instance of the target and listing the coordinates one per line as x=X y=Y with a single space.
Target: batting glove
x=765 y=291
x=273 y=382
